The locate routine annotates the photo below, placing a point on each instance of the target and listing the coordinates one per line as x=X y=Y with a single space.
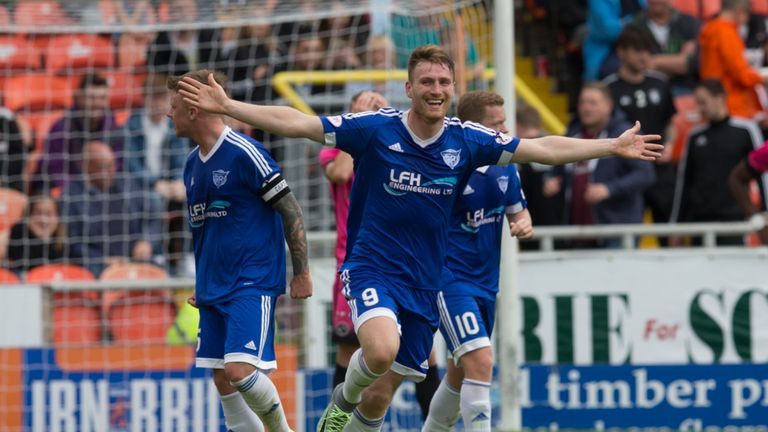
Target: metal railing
x=547 y=235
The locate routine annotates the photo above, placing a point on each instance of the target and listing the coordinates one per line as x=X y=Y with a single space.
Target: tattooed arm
x=295 y=236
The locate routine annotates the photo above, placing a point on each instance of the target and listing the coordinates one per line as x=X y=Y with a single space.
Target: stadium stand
x=70 y=54
x=76 y=316
x=8 y=277
x=35 y=13
x=137 y=317
x=37 y=91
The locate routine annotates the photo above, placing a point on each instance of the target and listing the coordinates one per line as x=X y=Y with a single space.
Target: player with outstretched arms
x=241 y=213
x=410 y=168
x=468 y=303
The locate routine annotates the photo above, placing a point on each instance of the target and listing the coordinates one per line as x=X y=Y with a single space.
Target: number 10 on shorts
x=466 y=324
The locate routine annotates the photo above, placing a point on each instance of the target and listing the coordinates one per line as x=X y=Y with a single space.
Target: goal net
x=95 y=270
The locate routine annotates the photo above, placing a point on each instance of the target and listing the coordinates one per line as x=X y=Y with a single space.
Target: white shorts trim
x=373 y=313
x=411 y=374
x=262 y=366
x=209 y=363
x=468 y=347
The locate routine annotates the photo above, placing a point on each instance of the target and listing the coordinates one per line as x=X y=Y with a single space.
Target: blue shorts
x=371 y=295
x=466 y=322
x=239 y=330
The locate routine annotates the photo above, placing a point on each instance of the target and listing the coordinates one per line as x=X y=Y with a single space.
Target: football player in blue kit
x=411 y=166
x=468 y=303
x=241 y=213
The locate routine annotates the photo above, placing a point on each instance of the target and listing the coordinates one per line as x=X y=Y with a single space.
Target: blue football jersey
x=238 y=238
x=474 y=239
x=405 y=187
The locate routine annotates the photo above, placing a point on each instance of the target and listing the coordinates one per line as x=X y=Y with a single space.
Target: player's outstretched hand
x=522 y=229
x=630 y=145
x=210 y=97
x=301 y=286
x=368 y=101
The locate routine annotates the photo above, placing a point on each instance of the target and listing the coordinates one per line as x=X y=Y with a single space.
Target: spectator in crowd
x=88 y=120
x=713 y=150
x=132 y=45
x=543 y=183
x=179 y=51
x=380 y=55
x=410 y=32
x=753 y=167
x=605 y=19
x=346 y=35
x=674 y=47
x=609 y=190
x=155 y=157
x=109 y=219
x=309 y=54
x=645 y=96
x=247 y=55
x=39 y=238
x=723 y=58
x=12 y=152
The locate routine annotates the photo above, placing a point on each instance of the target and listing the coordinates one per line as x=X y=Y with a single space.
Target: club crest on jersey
x=451 y=157
x=220 y=177
x=503 y=138
x=503 y=182
x=334 y=120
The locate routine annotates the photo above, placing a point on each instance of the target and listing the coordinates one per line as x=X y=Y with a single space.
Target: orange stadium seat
x=760 y=7
x=690 y=7
x=8 y=277
x=37 y=92
x=125 y=89
x=65 y=54
x=122 y=116
x=138 y=317
x=17 y=53
x=13 y=204
x=40 y=123
x=76 y=315
x=40 y=13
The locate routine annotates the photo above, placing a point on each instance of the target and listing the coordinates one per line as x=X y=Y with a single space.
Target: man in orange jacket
x=722 y=57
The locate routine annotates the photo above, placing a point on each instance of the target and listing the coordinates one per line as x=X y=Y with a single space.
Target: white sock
x=358 y=377
x=360 y=423
x=261 y=396
x=238 y=415
x=476 y=405
x=443 y=410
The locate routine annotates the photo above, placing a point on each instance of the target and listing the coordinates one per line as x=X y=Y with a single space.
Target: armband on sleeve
x=273 y=189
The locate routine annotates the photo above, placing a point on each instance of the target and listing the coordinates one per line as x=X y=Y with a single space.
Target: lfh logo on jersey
x=451 y=157
x=220 y=177
x=503 y=182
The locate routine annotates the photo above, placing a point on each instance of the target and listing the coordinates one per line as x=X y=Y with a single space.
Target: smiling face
x=431 y=90
x=44 y=217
